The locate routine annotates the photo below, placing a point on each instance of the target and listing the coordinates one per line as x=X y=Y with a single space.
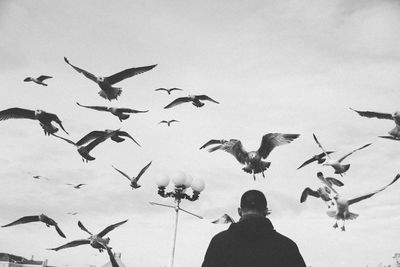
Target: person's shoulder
x=284 y=240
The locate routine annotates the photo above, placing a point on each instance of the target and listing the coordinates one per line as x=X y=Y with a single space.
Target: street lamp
x=182 y=182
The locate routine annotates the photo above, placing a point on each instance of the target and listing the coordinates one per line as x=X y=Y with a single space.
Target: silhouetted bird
x=168 y=122
x=134 y=180
x=168 y=90
x=195 y=99
x=78 y=186
x=224 y=219
x=117 y=137
x=119 y=112
x=320 y=158
x=38 y=80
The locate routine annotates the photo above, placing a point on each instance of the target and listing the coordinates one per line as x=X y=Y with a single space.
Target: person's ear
x=266 y=212
x=240 y=212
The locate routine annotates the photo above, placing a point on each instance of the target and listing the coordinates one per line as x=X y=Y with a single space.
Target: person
x=252 y=242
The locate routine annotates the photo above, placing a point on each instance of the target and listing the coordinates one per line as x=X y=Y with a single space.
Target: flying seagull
x=337 y=164
x=320 y=158
x=119 y=112
x=322 y=192
x=96 y=241
x=72 y=213
x=85 y=150
x=342 y=205
x=105 y=83
x=224 y=219
x=40 y=218
x=395 y=132
x=252 y=160
x=43 y=117
x=39 y=177
x=195 y=99
x=134 y=180
x=38 y=80
x=168 y=122
x=78 y=186
x=168 y=90
x=117 y=137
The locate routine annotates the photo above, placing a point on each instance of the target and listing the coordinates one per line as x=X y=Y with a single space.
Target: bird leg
x=343 y=228
x=335 y=225
x=254 y=176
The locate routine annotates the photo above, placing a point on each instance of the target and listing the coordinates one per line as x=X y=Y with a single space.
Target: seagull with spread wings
x=37 y=218
x=322 y=192
x=119 y=112
x=105 y=83
x=134 y=180
x=38 y=80
x=85 y=150
x=394 y=134
x=253 y=159
x=320 y=158
x=168 y=122
x=96 y=241
x=168 y=90
x=224 y=219
x=78 y=186
x=195 y=99
x=337 y=164
x=42 y=116
x=342 y=205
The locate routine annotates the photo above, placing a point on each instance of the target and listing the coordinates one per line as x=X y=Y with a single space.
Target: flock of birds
x=253 y=161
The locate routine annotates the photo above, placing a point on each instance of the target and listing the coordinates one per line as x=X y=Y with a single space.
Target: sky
x=274 y=66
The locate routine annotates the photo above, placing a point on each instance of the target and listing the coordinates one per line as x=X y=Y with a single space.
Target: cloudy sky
x=274 y=66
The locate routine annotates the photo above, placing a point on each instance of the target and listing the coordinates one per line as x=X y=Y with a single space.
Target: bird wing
x=99 y=108
x=121 y=172
x=123 y=133
x=72 y=244
x=213 y=142
x=308 y=192
x=161 y=89
x=205 y=97
x=129 y=110
x=342 y=158
x=59 y=231
x=17 y=113
x=99 y=140
x=83 y=228
x=115 y=78
x=89 y=137
x=371 y=114
x=111 y=255
x=43 y=77
x=334 y=181
x=110 y=228
x=320 y=146
x=26 y=219
x=307 y=162
x=235 y=148
x=178 y=101
x=271 y=140
x=65 y=139
x=175 y=89
x=53 y=117
x=79 y=185
x=357 y=199
x=224 y=219
x=84 y=72
x=142 y=171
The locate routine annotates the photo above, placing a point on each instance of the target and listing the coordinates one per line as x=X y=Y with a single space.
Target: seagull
x=323 y=192
x=72 y=213
x=342 y=205
x=41 y=218
x=119 y=112
x=395 y=132
x=213 y=142
x=252 y=160
x=39 y=177
x=224 y=219
x=336 y=164
x=38 y=80
x=43 y=117
x=78 y=186
x=134 y=180
x=168 y=122
x=168 y=90
x=195 y=99
x=105 y=83
x=117 y=137
x=96 y=241
x=320 y=158
x=85 y=150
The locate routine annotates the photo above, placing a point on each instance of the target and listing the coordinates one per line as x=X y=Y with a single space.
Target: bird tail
x=351 y=216
x=331 y=213
x=113 y=93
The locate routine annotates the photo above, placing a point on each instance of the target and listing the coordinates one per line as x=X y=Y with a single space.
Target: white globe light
x=188 y=181
x=198 y=185
x=162 y=181
x=179 y=178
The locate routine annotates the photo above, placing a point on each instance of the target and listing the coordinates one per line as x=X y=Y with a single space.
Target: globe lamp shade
x=198 y=185
x=162 y=181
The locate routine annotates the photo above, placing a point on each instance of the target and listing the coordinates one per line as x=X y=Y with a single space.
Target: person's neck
x=251 y=215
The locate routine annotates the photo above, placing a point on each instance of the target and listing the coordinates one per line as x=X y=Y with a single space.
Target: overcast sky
x=274 y=66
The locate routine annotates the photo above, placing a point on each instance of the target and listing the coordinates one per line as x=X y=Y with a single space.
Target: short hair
x=253 y=200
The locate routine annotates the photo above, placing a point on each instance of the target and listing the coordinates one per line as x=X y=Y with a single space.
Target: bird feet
x=335 y=225
x=343 y=228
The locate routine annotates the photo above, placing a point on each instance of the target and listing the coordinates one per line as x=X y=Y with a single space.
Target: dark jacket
x=252 y=242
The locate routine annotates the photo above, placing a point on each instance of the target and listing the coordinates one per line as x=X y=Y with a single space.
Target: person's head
x=253 y=202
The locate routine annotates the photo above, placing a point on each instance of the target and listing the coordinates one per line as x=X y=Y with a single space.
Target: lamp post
x=182 y=182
